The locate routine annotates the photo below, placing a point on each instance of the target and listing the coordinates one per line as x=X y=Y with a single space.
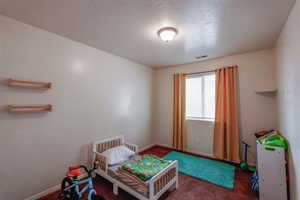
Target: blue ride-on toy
x=70 y=186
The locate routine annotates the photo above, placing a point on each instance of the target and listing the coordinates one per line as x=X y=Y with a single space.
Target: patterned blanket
x=146 y=167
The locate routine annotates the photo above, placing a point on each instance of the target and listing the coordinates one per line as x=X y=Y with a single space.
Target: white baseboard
x=165 y=145
x=50 y=190
x=57 y=187
x=44 y=193
x=146 y=147
x=188 y=151
x=201 y=153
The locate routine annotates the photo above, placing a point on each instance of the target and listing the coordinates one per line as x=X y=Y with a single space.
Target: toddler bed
x=145 y=177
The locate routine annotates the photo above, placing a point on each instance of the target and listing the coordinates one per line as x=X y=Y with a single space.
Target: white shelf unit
x=271 y=165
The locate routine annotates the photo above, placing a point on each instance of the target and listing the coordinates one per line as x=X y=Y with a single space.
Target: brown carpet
x=189 y=188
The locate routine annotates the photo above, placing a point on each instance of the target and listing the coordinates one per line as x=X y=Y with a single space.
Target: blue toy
x=254 y=182
x=244 y=165
x=70 y=189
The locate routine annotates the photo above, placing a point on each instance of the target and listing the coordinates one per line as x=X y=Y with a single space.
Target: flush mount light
x=167 y=34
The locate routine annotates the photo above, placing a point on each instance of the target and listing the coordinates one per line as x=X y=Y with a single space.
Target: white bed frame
x=158 y=184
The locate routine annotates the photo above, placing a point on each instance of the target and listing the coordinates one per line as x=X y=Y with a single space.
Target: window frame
x=192 y=118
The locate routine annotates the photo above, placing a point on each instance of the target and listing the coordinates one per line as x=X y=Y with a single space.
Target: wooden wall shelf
x=266 y=91
x=29 y=109
x=29 y=84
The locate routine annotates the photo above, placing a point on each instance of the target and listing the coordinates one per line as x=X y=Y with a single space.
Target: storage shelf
x=29 y=84
x=29 y=109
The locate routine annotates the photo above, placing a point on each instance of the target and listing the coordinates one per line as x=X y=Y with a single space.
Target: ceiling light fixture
x=167 y=34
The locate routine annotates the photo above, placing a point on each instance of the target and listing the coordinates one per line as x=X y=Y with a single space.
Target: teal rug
x=212 y=171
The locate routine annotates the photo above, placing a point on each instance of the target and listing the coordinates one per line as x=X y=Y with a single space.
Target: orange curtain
x=179 y=124
x=226 y=134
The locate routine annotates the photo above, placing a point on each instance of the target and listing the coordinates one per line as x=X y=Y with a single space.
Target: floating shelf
x=29 y=109
x=266 y=91
x=29 y=84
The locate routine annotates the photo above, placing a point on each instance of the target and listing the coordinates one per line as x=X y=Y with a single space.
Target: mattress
x=146 y=167
x=116 y=172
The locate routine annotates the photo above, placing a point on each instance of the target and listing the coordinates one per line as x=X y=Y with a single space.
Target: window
x=200 y=97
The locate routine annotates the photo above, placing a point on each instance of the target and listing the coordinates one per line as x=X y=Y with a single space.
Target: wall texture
x=256 y=71
x=199 y=137
x=95 y=95
x=288 y=62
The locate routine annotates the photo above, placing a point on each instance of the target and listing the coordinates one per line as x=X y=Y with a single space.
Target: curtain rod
x=194 y=73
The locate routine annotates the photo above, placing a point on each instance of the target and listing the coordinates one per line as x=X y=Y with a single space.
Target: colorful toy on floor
x=71 y=185
x=244 y=165
x=255 y=183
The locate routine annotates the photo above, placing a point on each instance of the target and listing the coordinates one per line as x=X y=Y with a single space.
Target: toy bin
x=271 y=165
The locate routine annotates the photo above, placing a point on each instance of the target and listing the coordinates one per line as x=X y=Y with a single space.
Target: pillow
x=117 y=154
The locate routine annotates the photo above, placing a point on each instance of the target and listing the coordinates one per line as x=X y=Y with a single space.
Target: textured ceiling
x=128 y=28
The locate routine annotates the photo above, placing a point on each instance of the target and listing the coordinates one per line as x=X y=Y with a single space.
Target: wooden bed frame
x=158 y=184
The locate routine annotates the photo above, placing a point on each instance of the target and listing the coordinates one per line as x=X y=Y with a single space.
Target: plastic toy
x=273 y=139
x=70 y=186
x=255 y=183
x=263 y=133
x=244 y=165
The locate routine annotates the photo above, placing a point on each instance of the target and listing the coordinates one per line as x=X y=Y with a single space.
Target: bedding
x=165 y=175
x=113 y=168
x=118 y=154
x=146 y=167
x=134 y=182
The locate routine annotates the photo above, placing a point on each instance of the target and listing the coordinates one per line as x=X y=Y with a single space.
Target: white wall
x=199 y=137
x=256 y=71
x=288 y=62
x=95 y=95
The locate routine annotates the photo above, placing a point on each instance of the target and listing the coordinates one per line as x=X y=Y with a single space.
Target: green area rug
x=212 y=171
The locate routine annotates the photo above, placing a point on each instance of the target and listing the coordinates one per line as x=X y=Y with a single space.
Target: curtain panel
x=226 y=143
x=179 y=122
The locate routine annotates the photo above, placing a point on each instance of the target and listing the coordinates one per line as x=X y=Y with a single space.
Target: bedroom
x=112 y=73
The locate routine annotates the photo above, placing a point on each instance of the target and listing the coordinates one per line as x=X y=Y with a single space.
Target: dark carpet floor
x=189 y=188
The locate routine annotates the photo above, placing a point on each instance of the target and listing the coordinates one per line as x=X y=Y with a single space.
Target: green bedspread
x=146 y=167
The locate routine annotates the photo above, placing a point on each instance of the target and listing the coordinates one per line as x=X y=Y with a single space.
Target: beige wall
x=95 y=95
x=288 y=58
x=256 y=71
x=199 y=137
